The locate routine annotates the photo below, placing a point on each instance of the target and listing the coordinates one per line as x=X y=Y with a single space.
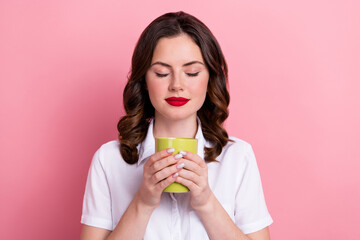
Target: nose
x=176 y=83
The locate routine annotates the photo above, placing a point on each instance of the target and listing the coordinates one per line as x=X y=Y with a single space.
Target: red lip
x=176 y=101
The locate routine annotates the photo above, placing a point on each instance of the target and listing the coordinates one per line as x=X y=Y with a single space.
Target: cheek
x=150 y=85
x=200 y=87
x=152 y=91
x=156 y=91
x=156 y=86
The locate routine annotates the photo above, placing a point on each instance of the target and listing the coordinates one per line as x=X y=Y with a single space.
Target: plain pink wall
x=294 y=78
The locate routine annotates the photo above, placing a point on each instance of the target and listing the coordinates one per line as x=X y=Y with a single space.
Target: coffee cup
x=179 y=144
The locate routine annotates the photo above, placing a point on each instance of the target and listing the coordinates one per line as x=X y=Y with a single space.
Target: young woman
x=177 y=88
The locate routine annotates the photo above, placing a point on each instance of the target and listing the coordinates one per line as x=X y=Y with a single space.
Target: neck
x=184 y=128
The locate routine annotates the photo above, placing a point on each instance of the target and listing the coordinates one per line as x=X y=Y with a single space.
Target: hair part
x=139 y=111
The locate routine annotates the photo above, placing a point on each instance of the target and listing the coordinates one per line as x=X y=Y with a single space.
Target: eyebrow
x=167 y=65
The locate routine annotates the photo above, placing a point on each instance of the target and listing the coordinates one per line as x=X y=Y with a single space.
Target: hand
x=158 y=174
x=194 y=175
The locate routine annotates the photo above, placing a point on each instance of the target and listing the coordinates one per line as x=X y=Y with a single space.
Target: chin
x=178 y=116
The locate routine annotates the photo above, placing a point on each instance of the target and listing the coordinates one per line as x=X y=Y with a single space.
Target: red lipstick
x=176 y=101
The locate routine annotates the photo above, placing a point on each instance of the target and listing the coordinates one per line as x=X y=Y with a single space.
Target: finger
x=191 y=176
x=190 y=184
x=191 y=166
x=165 y=162
x=164 y=173
x=166 y=182
x=159 y=155
x=193 y=157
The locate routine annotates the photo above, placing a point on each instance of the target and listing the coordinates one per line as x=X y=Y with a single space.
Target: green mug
x=185 y=144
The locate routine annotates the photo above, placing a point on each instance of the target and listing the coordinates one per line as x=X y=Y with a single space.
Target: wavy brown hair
x=139 y=111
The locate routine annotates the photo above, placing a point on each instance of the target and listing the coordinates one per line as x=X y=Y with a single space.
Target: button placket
x=175 y=218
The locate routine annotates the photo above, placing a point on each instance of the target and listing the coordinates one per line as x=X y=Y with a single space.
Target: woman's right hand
x=158 y=174
x=159 y=171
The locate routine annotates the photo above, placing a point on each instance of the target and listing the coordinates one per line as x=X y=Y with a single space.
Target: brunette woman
x=177 y=87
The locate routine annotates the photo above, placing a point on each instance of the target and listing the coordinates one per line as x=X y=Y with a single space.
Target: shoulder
x=108 y=152
x=109 y=147
x=238 y=145
x=237 y=149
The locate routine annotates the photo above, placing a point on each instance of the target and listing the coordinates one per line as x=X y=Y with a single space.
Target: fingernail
x=181 y=165
x=170 y=150
x=183 y=153
x=178 y=156
x=175 y=175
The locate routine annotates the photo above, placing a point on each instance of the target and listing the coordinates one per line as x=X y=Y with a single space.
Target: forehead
x=177 y=50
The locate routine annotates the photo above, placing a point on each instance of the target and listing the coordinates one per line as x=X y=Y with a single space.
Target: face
x=177 y=78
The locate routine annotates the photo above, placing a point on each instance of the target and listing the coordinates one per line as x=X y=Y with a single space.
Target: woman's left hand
x=194 y=175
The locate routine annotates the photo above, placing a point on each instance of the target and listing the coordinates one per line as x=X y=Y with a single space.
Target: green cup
x=185 y=144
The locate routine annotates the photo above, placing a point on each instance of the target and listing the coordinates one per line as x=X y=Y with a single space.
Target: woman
x=177 y=88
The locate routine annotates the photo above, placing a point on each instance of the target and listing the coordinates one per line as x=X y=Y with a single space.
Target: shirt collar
x=147 y=147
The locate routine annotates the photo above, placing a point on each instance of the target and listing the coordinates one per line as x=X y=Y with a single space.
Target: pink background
x=294 y=78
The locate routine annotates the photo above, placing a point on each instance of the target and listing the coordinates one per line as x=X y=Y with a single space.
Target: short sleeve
x=251 y=213
x=96 y=210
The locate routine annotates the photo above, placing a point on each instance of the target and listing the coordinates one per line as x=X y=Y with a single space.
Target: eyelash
x=193 y=74
x=161 y=75
x=189 y=74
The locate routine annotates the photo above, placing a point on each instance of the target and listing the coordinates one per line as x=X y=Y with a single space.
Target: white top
x=235 y=181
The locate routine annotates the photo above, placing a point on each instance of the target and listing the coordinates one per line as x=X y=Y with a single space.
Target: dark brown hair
x=139 y=111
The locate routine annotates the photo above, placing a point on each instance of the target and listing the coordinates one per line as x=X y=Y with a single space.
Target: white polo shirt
x=235 y=181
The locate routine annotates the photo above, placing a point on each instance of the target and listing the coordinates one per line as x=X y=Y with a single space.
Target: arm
x=262 y=234
x=217 y=222
x=215 y=219
x=222 y=223
x=132 y=224
x=215 y=215
x=157 y=175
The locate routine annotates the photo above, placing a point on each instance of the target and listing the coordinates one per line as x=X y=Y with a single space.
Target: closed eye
x=161 y=75
x=193 y=74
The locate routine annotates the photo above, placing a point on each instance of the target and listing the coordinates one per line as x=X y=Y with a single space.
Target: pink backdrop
x=294 y=78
